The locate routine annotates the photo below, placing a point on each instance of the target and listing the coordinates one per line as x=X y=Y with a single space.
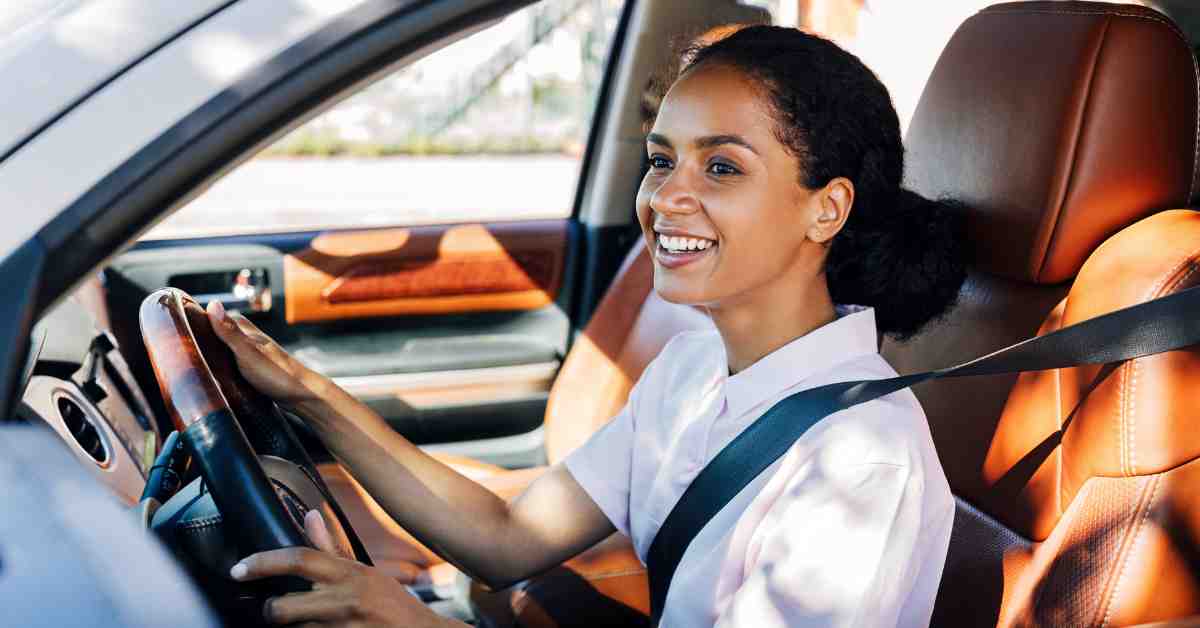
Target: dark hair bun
x=908 y=266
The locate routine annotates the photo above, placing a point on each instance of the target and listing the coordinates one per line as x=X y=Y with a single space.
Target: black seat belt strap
x=1163 y=324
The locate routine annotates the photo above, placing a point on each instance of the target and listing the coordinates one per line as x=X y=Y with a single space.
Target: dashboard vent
x=82 y=430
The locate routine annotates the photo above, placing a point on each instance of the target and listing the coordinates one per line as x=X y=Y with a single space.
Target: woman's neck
x=758 y=324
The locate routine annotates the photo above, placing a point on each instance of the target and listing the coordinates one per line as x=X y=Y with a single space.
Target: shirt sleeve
x=603 y=465
x=836 y=550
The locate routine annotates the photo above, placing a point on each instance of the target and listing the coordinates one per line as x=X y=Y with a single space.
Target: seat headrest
x=1057 y=124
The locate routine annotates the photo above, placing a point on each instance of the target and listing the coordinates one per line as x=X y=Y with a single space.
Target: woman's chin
x=679 y=292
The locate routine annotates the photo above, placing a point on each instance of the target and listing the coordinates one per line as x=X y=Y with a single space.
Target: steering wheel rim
x=226 y=424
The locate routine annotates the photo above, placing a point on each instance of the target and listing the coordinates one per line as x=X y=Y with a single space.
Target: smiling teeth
x=675 y=243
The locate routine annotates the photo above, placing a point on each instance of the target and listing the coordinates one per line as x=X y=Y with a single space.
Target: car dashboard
x=78 y=383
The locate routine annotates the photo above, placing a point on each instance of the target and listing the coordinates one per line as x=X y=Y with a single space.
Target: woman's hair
x=898 y=252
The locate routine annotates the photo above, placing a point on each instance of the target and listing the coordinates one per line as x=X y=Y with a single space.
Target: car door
x=415 y=242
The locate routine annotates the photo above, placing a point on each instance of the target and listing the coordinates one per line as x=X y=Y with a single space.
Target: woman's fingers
x=249 y=329
x=222 y=323
x=318 y=532
x=319 y=605
x=234 y=329
x=305 y=562
x=343 y=591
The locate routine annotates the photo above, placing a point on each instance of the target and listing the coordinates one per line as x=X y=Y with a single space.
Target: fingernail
x=219 y=309
x=239 y=571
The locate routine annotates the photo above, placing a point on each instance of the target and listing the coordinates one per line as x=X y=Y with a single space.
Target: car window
x=490 y=128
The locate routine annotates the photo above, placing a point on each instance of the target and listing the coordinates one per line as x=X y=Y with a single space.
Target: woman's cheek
x=642 y=204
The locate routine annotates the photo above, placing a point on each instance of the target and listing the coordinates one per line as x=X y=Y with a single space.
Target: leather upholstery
x=1085 y=481
x=1058 y=124
x=1072 y=506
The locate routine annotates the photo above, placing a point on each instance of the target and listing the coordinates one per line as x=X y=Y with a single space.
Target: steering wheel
x=256 y=481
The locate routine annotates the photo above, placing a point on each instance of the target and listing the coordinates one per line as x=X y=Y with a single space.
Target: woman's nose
x=674 y=196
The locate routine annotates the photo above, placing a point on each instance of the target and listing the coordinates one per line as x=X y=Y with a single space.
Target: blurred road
x=313 y=193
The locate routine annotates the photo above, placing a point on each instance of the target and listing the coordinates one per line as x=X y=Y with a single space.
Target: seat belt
x=1156 y=326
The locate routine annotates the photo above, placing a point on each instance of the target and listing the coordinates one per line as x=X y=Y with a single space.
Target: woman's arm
x=491 y=540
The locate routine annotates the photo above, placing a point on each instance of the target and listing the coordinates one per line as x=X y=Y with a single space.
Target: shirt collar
x=851 y=335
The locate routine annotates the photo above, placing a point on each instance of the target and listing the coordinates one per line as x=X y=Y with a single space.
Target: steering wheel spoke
x=230 y=429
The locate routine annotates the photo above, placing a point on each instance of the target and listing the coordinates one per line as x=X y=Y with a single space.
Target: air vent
x=82 y=430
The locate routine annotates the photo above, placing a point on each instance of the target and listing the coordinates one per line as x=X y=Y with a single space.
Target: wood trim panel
x=426 y=270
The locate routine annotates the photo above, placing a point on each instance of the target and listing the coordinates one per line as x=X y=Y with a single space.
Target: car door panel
x=425 y=270
x=452 y=333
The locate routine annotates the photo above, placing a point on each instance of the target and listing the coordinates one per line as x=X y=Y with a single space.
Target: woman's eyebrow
x=657 y=138
x=710 y=141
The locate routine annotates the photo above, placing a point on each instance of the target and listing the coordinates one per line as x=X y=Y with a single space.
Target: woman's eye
x=658 y=162
x=722 y=169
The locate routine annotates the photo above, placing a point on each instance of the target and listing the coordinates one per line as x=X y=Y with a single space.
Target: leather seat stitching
x=1154 y=17
x=1131 y=427
x=1134 y=536
x=1161 y=286
x=1171 y=26
x=1122 y=421
x=1138 y=363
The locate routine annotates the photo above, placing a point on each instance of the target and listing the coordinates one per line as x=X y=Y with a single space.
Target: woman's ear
x=835 y=201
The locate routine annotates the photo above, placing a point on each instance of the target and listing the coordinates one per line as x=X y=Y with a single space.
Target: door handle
x=250 y=291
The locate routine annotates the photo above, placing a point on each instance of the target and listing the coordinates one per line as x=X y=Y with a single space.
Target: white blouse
x=849 y=528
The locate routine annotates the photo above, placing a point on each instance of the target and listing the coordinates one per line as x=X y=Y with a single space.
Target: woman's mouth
x=677 y=251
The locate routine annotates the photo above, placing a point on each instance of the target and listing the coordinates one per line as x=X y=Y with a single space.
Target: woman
x=773 y=194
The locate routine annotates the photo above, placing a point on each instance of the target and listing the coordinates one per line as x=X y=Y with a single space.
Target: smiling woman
x=773 y=201
x=896 y=251
x=744 y=205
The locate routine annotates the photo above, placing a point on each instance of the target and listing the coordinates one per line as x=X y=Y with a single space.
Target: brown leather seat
x=1063 y=126
x=1067 y=128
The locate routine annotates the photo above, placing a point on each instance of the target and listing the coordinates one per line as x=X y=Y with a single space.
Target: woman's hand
x=270 y=369
x=344 y=593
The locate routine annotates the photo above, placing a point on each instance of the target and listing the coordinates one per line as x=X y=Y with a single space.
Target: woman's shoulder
x=891 y=429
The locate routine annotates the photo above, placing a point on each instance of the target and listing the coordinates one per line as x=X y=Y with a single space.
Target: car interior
x=1070 y=131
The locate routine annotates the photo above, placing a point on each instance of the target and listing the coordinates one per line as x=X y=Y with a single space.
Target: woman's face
x=722 y=208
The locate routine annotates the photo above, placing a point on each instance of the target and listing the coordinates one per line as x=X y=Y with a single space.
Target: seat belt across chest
x=1163 y=324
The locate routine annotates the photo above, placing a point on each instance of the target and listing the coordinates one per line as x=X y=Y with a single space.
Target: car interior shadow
x=560 y=597
x=973 y=583
x=1010 y=485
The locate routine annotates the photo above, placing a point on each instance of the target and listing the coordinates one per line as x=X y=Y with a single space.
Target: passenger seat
x=1067 y=128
